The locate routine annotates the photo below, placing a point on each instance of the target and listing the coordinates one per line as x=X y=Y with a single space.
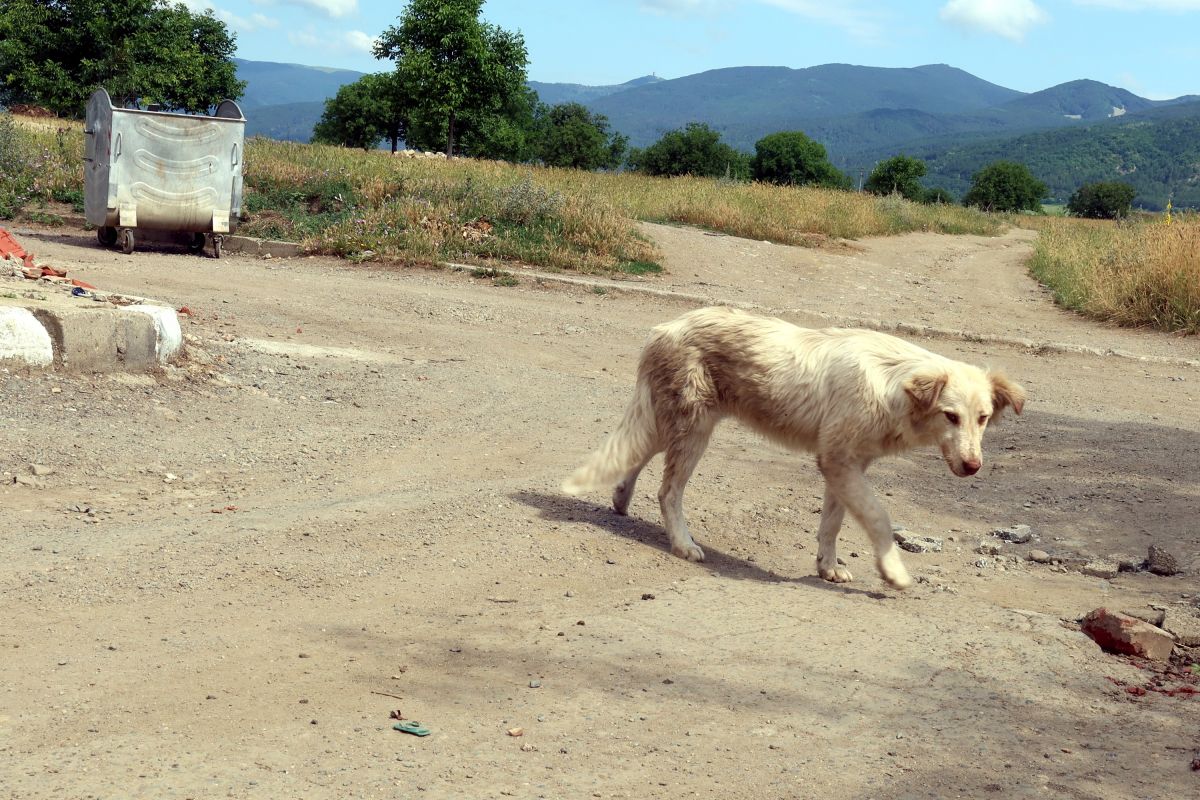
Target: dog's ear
x=924 y=390
x=1006 y=393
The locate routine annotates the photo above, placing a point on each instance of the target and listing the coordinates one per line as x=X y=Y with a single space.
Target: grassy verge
x=1139 y=273
x=369 y=206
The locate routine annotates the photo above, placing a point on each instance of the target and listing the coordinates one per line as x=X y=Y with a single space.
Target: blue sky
x=1150 y=47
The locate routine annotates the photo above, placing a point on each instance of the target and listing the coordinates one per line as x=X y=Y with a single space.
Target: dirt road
x=345 y=503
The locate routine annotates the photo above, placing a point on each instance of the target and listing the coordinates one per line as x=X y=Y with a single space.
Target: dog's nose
x=971 y=467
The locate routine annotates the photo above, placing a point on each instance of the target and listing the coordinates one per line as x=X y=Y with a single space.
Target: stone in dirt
x=1161 y=561
x=1039 y=556
x=1100 y=568
x=917 y=544
x=1120 y=633
x=1154 y=616
x=988 y=549
x=1017 y=534
x=1184 y=627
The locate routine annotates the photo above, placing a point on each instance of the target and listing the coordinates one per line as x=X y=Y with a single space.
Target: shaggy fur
x=850 y=396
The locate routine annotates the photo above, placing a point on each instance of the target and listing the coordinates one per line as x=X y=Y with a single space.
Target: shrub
x=793 y=159
x=898 y=175
x=1102 y=200
x=937 y=196
x=695 y=150
x=1005 y=186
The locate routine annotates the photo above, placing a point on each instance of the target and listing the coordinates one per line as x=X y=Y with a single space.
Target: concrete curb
x=906 y=328
x=135 y=338
x=248 y=245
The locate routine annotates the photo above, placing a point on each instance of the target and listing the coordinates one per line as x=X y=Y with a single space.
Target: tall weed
x=1134 y=273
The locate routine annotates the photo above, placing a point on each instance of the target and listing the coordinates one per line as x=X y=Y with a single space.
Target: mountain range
x=955 y=121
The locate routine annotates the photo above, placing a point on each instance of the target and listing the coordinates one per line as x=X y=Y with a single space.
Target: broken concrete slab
x=1120 y=633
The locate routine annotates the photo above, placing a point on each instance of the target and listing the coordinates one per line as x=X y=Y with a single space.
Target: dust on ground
x=344 y=503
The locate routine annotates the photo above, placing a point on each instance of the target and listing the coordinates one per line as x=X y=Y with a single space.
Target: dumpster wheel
x=126 y=238
x=197 y=243
x=106 y=235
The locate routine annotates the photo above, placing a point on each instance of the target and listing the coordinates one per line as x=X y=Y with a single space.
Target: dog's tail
x=628 y=446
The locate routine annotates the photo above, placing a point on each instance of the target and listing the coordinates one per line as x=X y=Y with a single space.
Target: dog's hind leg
x=850 y=485
x=624 y=491
x=832 y=513
x=682 y=454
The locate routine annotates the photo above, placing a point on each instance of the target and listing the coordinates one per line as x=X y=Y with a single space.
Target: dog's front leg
x=832 y=513
x=849 y=483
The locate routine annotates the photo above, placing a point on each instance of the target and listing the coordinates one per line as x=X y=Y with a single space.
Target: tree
x=1102 y=200
x=694 y=150
x=1005 y=186
x=454 y=65
x=508 y=133
x=898 y=175
x=791 y=158
x=55 y=53
x=362 y=113
x=571 y=136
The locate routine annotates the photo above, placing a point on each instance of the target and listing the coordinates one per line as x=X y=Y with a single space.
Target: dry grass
x=1139 y=273
x=366 y=206
x=564 y=219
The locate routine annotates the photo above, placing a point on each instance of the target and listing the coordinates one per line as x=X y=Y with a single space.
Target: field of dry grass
x=1138 y=273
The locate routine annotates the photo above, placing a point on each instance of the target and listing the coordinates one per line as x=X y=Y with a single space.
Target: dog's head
x=953 y=407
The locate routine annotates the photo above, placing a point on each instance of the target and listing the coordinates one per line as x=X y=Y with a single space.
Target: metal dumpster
x=149 y=171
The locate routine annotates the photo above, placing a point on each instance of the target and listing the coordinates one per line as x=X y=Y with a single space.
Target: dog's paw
x=892 y=570
x=691 y=552
x=835 y=575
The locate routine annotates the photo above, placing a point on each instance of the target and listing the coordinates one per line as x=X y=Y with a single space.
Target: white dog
x=850 y=396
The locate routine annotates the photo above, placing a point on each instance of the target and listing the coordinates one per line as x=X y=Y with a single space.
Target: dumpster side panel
x=99 y=204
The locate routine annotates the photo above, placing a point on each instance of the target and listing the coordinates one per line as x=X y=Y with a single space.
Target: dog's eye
x=983 y=419
x=952 y=417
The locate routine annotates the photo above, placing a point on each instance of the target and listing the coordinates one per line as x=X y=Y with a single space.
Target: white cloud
x=1011 y=19
x=255 y=21
x=357 y=40
x=855 y=21
x=334 y=8
x=331 y=42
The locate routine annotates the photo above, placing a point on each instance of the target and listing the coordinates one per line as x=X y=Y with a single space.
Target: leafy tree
x=790 y=157
x=694 y=150
x=455 y=66
x=898 y=175
x=572 y=136
x=1005 y=186
x=362 y=113
x=55 y=53
x=506 y=134
x=1102 y=200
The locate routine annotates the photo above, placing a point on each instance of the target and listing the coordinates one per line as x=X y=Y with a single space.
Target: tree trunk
x=450 y=136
